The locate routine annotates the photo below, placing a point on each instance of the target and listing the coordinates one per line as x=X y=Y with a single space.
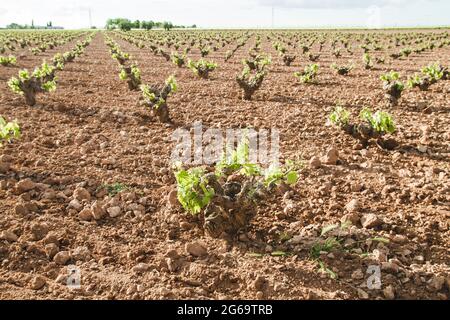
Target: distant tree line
x=126 y=24
x=18 y=26
x=32 y=26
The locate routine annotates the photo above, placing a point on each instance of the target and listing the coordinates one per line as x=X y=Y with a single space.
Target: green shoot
x=193 y=191
x=381 y=121
x=8 y=130
x=340 y=116
x=8 y=61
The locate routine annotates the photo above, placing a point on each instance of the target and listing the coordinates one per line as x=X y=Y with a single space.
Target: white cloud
x=70 y=9
x=335 y=4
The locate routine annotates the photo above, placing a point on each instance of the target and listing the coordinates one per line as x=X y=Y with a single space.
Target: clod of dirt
x=39 y=230
x=81 y=254
x=51 y=250
x=38 y=282
x=391 y=266
x=86 y=214
x=172 y=199
x=4 y=167
x=260 y=284
x=97 y=211
x=331 y=157
x=353 y=217
x=380 y=255
x=196 y=249
x=357 y=275
x=437 y=283
x=141 y=268
x=370 y=221
x=356 y=187
x=315 y=163
x=20 y=210
x=114 y=212
x=353 y=206
x=81 y=194
x=25 y=185
x=8 y=236
x=389 y=292
x=6 y=159
x=62 y=257
x=75 y=204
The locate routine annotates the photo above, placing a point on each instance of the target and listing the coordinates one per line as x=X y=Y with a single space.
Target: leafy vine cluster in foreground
x=228 y=194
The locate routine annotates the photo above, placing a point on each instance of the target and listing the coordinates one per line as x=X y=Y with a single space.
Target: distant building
x=49 y=27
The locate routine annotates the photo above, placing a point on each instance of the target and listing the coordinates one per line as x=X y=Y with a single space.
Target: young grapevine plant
x=8 y=61
x=313 y=57
x=178 y=59
x=434 y=72
x=253 y=74
x=58 y=61
x=342 y=70
x=193 y=191
x=429 y=75
x=258 y=62
x=204 y=51
x=309 y=74
x=227 y=204
x=288 y=59
x=43 y=79
x=373 y=125
x=380 y=121
x=340 y=116
x=393 y=87
x=367 y=60
x=202 y=68
x=8 y=131
x=155 y=97
x=132 y=75
x=120 y=56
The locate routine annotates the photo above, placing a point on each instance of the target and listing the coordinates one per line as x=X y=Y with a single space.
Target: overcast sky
x=232 y=13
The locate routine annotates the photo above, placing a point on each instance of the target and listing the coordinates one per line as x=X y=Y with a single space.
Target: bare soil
x=91 y=132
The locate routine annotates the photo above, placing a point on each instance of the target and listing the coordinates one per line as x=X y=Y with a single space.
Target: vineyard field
x=364 y=137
